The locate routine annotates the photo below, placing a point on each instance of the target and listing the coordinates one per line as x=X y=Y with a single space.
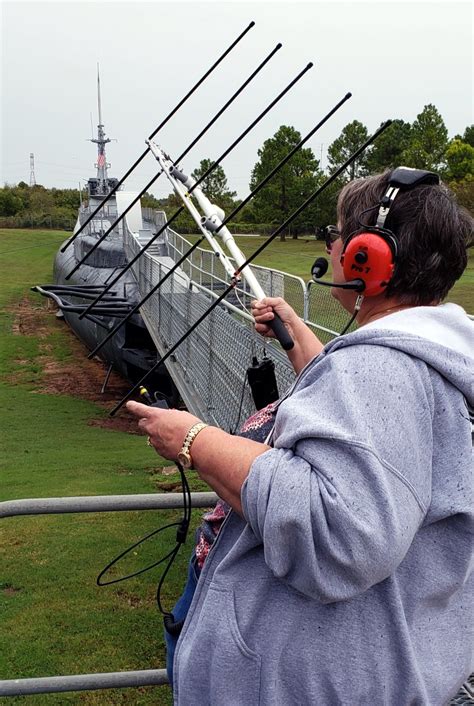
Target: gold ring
x=148 y=441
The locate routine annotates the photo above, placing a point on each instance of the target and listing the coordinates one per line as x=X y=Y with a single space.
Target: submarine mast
x=101 y=141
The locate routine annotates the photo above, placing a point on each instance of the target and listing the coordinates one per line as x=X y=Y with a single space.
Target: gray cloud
x=395 y=57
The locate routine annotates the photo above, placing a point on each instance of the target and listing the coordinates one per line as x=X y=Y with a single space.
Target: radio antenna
x=202 y=177
x=250 y=259
x=224 y=222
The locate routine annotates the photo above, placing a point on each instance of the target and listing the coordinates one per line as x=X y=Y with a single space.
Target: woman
x=341 y=576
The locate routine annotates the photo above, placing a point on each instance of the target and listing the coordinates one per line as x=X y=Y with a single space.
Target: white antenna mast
x=101 y=141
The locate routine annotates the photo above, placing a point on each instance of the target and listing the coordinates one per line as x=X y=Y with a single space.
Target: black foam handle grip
x=280 y=331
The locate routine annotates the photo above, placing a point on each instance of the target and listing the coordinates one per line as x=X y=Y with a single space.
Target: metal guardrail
x=209 y=368
x=102 y=503
x=117 y=680
x=83 y=682
x=98 y=503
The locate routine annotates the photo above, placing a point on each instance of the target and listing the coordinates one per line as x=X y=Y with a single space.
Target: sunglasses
x=331 y=235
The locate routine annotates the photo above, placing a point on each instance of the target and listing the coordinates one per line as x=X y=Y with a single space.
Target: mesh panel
x=465 y=694
x=211 y=363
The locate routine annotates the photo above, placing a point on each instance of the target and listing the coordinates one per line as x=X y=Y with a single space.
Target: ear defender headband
x=370 y=254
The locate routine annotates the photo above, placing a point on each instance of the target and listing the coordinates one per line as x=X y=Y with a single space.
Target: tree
x=323 y=210
x=464 y=191
x=290 y=186
x=215 y=185
x=184 y=223
x=387 y=150
x=429 y=139
x=351 y=138
x=468 y=136
x=41 y=199
x=459 y=158
x=149 y=201
x=68 y=198
x=10 y=203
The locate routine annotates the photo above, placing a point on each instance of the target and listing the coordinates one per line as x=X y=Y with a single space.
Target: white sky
x=395 y=57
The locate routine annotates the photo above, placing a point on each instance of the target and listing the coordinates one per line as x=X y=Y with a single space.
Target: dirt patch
x=122 y=421
x=77 y=376
x=82 y=378
x=30 y=320
x=163 y=471
x=168 y=487
x=169 y=470
x=131 y=599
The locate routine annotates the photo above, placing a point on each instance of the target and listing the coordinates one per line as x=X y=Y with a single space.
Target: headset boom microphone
x=320 y=268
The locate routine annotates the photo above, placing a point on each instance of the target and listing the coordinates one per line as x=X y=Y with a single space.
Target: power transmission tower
x=32 y=170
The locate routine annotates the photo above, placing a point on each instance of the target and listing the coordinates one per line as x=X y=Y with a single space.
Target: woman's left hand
x=166 y=428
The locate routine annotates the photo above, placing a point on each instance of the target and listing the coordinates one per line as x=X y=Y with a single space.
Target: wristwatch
x=184 y=456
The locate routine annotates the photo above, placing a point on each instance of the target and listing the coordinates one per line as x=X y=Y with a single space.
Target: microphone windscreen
x=319 y=268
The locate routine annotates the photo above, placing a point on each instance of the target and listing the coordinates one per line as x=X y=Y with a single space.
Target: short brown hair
x=432 y=230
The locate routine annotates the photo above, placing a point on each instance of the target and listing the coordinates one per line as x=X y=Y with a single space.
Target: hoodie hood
x=441 y=336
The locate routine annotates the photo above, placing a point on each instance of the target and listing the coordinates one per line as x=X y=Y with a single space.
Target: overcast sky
x=395 y=57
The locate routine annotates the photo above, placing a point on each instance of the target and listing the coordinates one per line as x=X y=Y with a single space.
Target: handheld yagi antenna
x=224 y=222
x=162 y=124
x=203 y=176
x=282 y=227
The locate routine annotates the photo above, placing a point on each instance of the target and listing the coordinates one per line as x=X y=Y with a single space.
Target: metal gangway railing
x=209 y=368
x=102 y=221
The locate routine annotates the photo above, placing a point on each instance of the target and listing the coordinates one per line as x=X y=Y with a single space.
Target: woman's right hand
x=263 y=312
x=307 y=345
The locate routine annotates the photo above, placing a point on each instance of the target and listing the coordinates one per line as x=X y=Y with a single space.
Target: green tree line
x=423 y=144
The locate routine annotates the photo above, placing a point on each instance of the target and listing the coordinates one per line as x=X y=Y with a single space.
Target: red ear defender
x=370 y=256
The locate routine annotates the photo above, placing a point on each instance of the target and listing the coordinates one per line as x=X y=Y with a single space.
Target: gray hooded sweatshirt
x=347 y=581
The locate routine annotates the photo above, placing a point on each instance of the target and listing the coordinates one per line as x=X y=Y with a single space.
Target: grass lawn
x=55 y=620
